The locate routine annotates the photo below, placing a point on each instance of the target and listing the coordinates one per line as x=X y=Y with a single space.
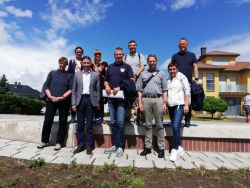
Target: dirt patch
x=22 y=173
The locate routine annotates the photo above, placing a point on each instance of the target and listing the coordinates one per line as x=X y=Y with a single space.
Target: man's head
x=79 y=52
x=183 y=44
x=118 y=54
x=152 y=61
x=98 y=56
x=132 y=45
x=62 y=62
x=86 y=63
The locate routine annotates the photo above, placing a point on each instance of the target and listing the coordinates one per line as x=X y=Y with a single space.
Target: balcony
x=233 y=88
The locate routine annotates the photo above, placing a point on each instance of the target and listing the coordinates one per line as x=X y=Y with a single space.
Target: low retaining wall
x=200 y=136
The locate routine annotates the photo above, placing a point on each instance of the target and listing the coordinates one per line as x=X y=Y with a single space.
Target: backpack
x=197 y=96
x=139 y=55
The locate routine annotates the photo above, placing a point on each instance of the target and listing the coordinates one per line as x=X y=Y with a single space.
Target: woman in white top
x=178 y=99
x=247 y=107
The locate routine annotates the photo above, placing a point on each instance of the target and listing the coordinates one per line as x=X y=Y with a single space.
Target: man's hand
x=140 y=106
x=186 y=109
x=73 y=108
x=108 y=90
x=115 y=90
x=164 y=107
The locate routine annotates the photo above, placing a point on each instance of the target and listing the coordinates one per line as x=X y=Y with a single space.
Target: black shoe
x=161 y=153
x=187 y=124
x=89 y=152
x=145 y=152
x=78 y=150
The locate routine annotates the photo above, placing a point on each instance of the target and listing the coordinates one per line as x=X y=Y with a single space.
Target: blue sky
x=35 y=33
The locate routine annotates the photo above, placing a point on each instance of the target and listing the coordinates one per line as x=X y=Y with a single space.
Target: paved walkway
x=210 y=160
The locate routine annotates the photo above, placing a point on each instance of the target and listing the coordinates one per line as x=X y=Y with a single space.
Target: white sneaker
x=57 y=147
x=42 y=145
x=110 y=150
x=181 y=151
x=119 y=152
x=173 y=155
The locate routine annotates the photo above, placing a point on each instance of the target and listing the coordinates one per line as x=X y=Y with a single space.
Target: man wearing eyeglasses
x=85 y=97
x=73 y=67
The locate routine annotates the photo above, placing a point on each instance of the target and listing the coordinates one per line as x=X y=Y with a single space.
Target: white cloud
x=241 y=1
x=180 y=4
x=5 y=37
x=3 y=14
x=18 y=12
x=236 y=43
x=30 y=65
x=160 y=6
x=70 y=14
x=3 y=1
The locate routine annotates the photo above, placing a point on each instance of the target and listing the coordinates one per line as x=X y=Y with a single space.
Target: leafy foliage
x=11 y=104
x=213 y=105
x=4 y=85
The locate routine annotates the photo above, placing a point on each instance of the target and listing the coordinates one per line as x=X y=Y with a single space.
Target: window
x=210 y=82
x=200 y=79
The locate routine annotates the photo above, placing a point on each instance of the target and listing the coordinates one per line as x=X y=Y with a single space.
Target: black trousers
x=51 y=108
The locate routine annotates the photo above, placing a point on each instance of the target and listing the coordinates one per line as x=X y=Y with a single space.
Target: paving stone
x=207 y=165
x=48 y=151
x=99 y=161
x=65 y=152
x=5 y=140
x=241 y=165
x=3 y=145
x=152 y=156
x=229 y=155
x=25 y=155
x=31 y=146
x=243 y=155
x=169 y=164
x=6 y=152
x=87 y=161
x=140 y=163
x=131 y=151
x=99 y=150
x=83 y=155
x=123 y=162
x=185 y=165
x=195 y=154
x=210 y=159
x=136 y=157
x=161 y=163
x=63 y=160
x=113 y=156
x=100 y=156
x=191 y=159
x=211 y=154
x=225 y=165
x=47 y=158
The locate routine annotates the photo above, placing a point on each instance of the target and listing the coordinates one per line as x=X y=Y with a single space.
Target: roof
x=24 y=90
x=221 y=53
x=239 y=66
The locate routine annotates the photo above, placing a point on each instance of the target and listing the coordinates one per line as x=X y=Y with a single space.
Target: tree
x=4 y=85
x=213 y=105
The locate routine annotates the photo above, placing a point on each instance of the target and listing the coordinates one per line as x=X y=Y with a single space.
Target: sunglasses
x=86 y=63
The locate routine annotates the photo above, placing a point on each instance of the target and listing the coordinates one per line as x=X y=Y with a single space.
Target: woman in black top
x=58 y=87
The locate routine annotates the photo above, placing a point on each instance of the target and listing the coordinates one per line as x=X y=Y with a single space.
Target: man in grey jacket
x=85 y=96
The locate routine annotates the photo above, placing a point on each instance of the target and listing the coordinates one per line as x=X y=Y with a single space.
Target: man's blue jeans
x=176 y=113
x=117 y=116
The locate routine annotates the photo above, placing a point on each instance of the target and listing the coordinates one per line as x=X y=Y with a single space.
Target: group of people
x=80 y=87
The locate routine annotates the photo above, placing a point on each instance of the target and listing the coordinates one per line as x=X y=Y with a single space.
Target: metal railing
x=233 y=88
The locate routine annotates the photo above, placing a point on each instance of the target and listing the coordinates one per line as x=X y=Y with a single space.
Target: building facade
x=223 y=77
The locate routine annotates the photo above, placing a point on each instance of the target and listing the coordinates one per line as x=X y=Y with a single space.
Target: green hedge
x=14 y=104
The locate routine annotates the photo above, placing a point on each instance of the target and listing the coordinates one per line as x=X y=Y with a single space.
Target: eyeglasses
x=86 y=63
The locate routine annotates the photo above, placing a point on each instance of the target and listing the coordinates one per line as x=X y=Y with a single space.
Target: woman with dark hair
x=178 y=95
x=57 y=88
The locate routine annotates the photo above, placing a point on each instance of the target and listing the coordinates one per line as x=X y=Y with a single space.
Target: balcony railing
x=233 y=88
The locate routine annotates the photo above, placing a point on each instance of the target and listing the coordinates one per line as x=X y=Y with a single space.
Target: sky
x=34 y=34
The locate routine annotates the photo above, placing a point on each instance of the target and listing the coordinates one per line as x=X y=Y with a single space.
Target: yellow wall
x=208 y=60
